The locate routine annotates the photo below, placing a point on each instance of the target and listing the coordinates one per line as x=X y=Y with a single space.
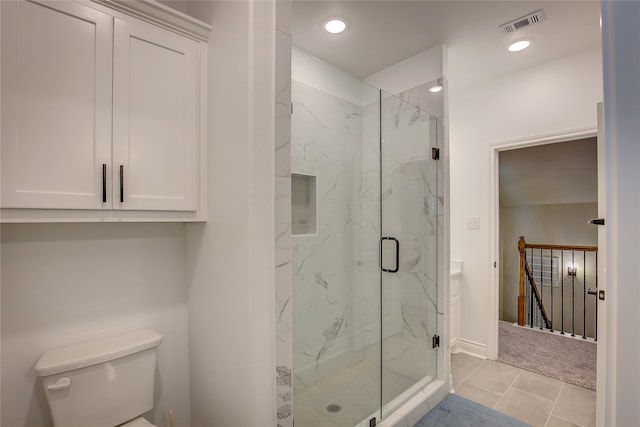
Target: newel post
x=521 y=296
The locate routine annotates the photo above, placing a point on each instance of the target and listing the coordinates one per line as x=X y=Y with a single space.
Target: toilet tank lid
x=97 y=351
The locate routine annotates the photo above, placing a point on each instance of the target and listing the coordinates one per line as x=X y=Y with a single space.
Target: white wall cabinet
x=56 y=105
x=155 y=74
x=102 y=112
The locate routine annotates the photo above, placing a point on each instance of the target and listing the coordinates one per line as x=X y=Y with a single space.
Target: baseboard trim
x=471 y=347
x=453 y=344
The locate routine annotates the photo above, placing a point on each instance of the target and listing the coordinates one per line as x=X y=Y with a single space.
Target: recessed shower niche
x=303 y=204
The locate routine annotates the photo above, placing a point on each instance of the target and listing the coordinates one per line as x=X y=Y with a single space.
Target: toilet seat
x=138 y=422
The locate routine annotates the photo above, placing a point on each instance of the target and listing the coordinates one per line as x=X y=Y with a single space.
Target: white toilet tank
x=102 y=383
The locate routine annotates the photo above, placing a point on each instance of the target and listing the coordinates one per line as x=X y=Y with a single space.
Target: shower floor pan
x=348 y=396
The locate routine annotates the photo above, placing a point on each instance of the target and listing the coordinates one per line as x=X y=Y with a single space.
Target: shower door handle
x=387 y=270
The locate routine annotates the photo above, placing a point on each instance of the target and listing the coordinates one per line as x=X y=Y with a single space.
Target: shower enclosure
x=365 y=209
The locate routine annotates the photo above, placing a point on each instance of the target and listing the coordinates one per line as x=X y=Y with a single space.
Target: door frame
x=494 y=217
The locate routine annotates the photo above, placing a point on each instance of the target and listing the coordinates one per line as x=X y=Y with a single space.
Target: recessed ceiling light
x=436 y=87
x=519 y=45
x=335 y=26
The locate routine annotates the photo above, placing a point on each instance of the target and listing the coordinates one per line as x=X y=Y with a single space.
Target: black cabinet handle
x=104 y=183
x=395 y=270
x=121 y=184
x=596 y=221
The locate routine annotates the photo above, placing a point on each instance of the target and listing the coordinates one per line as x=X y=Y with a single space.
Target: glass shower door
x=362 y=180
x=409 y=207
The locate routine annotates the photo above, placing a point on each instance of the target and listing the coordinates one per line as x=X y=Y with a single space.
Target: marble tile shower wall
x=326 y=143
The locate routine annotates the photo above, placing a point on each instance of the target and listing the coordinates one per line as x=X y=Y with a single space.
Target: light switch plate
x=473 y=222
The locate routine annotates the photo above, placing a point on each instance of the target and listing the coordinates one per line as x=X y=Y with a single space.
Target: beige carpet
x=568 y=359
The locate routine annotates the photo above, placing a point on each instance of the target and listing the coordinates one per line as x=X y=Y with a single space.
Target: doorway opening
x=546 y=191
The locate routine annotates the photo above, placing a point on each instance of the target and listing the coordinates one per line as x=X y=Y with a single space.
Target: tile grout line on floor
x=555 y=402
x=507 y=389
x=473 y=371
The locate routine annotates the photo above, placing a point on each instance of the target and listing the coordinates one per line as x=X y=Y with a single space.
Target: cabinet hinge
x=435 y=341
x=435 y=153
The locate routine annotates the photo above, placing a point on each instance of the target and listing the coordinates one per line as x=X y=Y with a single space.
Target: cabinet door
x=56 y=105
x=155 y=101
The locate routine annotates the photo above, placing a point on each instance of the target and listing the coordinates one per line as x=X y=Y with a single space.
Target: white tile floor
x=524 y=395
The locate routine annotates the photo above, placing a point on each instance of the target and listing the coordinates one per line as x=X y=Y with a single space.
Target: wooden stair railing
x=527 y=274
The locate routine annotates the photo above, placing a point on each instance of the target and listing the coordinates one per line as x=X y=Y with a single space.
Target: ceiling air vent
x=520 y=23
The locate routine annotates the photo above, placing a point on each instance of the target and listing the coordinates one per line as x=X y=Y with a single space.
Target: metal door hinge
x=435 y=341
x=435 y=153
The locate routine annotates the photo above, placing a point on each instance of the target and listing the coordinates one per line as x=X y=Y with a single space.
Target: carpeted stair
x=572 y=360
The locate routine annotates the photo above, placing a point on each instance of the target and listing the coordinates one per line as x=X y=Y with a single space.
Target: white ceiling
x=382 y=33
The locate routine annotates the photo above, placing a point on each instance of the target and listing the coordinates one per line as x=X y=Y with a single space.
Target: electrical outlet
x=473 y=222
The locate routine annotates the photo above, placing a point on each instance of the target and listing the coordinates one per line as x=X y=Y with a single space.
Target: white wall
x=556 y=96
x=230 y=259
x=67 y=283
x=323 y=76
x=412 y=72
x=621 y=53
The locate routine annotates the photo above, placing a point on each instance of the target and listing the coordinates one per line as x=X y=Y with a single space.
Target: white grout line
x=469 y=374
x=554 y=404
x=505 y=392
x=472 y=371
x=568 y=421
